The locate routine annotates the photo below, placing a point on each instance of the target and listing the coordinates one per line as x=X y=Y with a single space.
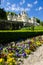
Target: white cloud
x=13 y=5
x=13 y=8
x=8 y=3
x=7 y=8
x=22 y=9
x=10 y=6
x=38 y=9
x=16 y=9
x=22 y=2
x=27 y=9
x=36 y=2
x=29 y=5
x=19 y=9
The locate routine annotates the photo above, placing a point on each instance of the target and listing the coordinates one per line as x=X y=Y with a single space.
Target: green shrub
x=14 y=36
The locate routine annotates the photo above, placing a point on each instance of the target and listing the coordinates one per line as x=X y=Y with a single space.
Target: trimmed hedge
x=10 y=25
x=17 y=36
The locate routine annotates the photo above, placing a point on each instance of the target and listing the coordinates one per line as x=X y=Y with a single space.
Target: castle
x=22 y=17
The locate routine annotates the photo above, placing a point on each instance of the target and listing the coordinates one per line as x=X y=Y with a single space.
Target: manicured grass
x=38 y=27
x=26 y=29
x=21 y=30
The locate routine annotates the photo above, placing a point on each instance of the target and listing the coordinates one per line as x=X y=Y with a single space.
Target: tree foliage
x=12 y=13
x=41 y=23
x=38 y=20
x=3 y=14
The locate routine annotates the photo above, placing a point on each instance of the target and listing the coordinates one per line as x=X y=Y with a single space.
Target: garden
x=13 y=53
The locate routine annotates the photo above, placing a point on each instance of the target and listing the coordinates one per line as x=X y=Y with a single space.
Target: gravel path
x=36 y=58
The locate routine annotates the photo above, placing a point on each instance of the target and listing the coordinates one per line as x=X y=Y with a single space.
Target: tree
x=41 y=23
x=3 y=14
x=32 y=27
x=12 y=13
x=38 y=20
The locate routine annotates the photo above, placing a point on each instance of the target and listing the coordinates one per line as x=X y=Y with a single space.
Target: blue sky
x=34 y=8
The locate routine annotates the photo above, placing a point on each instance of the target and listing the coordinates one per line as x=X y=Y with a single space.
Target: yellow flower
x=1 y=60
x=10 y=60
x=32 y=40
x=14 y=61
x=9 y=55
x=38 y=43
x=10 y=63
x=27 y=51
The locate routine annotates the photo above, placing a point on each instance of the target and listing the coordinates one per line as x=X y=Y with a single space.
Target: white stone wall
x=14 y=18
x=9 y=17
x=22 y=17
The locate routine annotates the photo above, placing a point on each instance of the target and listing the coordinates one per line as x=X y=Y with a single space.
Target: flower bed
x=10 y=54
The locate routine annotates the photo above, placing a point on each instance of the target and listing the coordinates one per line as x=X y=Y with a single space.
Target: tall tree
x=3 y=14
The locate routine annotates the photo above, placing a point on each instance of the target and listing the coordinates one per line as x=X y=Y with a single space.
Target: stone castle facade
x=23 y=17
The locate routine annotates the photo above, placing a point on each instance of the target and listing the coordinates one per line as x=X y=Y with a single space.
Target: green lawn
x=26 y=29
x=38 y=28
x=21 y=30
x=35 y=28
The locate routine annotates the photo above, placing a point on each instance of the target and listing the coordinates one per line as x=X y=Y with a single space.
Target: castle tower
x=9 y=17
x=24 y=16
